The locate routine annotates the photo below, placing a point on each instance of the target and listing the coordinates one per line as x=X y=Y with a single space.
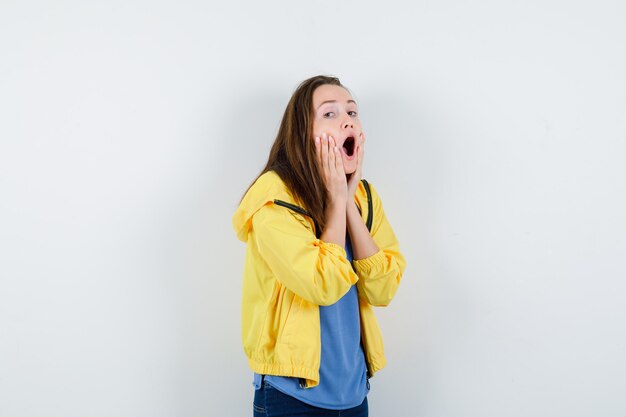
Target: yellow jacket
x=288 y=273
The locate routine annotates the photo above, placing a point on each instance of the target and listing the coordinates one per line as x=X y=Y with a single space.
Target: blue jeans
x=270 y=402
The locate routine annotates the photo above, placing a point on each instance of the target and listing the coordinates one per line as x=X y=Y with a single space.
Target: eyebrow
x=334 y=101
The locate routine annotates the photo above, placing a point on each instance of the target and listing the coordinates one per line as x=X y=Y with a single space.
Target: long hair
x=293 y=157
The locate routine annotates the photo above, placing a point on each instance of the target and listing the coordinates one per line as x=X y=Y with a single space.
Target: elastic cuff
x=334 y=248
x=367 y=264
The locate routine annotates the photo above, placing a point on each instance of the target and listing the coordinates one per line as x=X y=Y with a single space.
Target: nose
x=347 y=124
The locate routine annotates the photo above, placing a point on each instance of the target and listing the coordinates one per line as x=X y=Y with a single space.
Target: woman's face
x=336 y=114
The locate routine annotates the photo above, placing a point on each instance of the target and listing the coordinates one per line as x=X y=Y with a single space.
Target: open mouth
x=348 y=145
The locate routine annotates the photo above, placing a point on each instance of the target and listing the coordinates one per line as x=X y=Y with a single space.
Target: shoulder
x=363 y=193
x=369 y=202
x=268 y=187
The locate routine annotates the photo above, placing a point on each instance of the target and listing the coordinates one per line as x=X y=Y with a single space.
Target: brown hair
x=292 y=155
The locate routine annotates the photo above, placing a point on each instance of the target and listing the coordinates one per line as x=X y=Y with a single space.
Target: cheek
x=317 y=127
x=323 y=127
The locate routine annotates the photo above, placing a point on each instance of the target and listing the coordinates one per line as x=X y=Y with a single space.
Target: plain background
x=496 y=138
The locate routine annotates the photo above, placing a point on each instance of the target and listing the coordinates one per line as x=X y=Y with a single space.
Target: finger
x=338 y=160
x=318 y=151
x=324 y=153
x=339 y=163
x=361 y=149
x=331 y=153
x=360 y=143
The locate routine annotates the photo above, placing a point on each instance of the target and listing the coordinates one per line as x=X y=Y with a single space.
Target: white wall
x=496 y=137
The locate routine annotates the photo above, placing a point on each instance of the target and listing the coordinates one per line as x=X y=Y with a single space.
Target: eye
x=329 y=114
x=353 y=113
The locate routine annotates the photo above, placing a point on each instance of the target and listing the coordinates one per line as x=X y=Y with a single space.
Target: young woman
x=320 y=253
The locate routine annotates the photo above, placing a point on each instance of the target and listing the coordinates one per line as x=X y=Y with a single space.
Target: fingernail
x=317 y=140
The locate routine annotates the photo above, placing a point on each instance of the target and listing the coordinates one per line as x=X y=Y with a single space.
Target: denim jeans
x=270 y=402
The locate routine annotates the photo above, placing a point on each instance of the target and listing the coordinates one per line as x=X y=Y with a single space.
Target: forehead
x=330 y=92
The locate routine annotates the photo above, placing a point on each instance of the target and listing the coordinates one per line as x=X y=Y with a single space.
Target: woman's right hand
x=331 y=165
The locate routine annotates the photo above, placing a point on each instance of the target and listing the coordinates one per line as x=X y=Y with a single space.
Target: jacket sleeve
x=380 y=274
x=317 y=271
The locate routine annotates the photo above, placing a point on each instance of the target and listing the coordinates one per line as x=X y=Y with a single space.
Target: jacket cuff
x=334 y=248
x=366 y=265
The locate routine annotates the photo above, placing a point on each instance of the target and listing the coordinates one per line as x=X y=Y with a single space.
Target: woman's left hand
x=355 y=177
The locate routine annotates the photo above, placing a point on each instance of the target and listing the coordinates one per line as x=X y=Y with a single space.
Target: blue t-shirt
x=343 y=373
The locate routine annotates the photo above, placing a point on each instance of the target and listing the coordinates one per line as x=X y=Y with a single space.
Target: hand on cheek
x=331 y=166
x=355 y=177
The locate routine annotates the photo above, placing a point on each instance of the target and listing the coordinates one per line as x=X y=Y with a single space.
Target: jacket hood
x=265 y=190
